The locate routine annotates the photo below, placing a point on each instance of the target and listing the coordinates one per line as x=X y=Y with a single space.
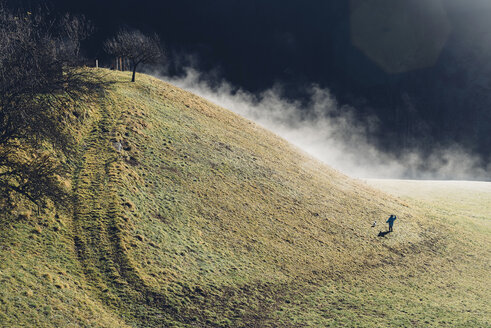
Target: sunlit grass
x=206 y=219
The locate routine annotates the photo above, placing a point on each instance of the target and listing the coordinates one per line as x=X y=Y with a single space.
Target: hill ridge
x=186 y=214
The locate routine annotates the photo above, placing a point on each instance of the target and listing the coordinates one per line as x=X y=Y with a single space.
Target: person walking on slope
x=390 y=221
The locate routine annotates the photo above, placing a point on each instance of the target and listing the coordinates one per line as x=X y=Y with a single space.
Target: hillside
x=204 y=219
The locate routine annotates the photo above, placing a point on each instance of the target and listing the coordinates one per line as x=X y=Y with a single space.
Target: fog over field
x=329 y=131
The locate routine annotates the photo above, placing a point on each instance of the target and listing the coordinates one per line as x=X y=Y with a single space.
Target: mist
x=329 y=132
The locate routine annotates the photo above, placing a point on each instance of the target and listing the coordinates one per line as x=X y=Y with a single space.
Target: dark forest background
x=255 y=44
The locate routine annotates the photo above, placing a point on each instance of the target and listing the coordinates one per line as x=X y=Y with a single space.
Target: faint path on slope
x=99 y=227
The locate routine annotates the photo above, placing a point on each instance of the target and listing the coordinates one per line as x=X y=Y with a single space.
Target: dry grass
x=206 y=219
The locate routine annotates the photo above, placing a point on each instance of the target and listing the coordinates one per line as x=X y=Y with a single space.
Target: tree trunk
x=134 y=73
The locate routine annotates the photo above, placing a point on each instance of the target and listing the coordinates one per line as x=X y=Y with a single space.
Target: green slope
x=204 y=219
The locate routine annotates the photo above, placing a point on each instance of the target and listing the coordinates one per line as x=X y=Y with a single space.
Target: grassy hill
x=204 y=219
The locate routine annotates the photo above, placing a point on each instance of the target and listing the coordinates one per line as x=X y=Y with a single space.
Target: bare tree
x=139 y=48
x=39 y=74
